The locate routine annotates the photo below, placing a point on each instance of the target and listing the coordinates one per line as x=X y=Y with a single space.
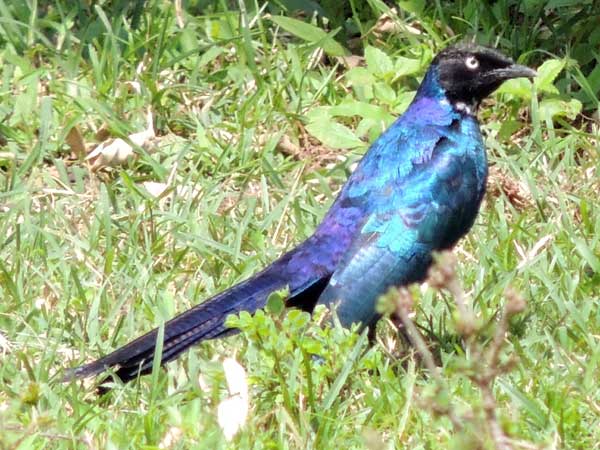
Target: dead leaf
x=179 y=14
x=517 y=192
x=88 y=440
x=351 y=61
x=373 y=439
x=203 y=384
x=232 y=411
x=389 y=22
x=102 y=134
x=287 y=147
x=4 y=344
x=165 y=194
x=527 y=257
x=7 y=155
x=134 y=87
x=118 y=152
x=154 y=188
x=76 y=143
x=307 y=148
x=172 y=436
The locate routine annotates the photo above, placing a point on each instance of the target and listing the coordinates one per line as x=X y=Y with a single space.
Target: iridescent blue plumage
x=420 y=187
x=416 y=190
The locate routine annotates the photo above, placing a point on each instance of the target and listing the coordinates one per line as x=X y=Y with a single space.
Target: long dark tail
x=207 y=320
x=203 y=322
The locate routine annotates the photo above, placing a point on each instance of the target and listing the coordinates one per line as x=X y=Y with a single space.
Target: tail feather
x=203 y=322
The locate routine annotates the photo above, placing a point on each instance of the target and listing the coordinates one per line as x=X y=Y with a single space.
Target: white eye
x=471 y=63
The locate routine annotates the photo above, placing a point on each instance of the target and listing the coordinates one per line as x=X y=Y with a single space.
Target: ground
x=151 y=156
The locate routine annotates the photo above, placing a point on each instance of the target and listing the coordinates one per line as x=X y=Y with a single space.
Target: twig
x=404 y=305
x=485 y=363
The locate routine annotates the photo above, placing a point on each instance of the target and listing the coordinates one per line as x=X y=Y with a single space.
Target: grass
x=258 y=123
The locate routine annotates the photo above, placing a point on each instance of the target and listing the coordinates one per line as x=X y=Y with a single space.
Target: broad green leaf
x=547 y=73
x=210 y=55
x=594 y=79
x=407 y=66
x=355 y=108
x=188 y=40
x=555 y=107
x=519 y=87
x=362 y=82
x=334 y=135
x=588 y=254
x=45 y=122
x=22 y=65
x=552 y=4
x=412 y=6
x=26 y=101
x=358 y=76
x=39 y=150
x=276 y=301
x=384 y=93
x=319 y=114
x=297 y=319
x=311 y=34
x=507 y=129
x=378 y=62
x=370 y=126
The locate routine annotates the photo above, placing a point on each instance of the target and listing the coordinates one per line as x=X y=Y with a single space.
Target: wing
x=431 y=208
x=375 y=261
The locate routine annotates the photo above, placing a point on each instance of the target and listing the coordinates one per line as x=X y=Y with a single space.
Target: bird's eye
x=472 y=63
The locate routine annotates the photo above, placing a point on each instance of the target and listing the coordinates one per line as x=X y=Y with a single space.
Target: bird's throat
x=468 y=108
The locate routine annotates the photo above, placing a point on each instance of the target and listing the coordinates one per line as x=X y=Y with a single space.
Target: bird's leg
x=400 y=328
x=372 y=335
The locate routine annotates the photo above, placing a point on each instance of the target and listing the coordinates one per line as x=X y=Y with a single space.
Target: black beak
x=514 y=71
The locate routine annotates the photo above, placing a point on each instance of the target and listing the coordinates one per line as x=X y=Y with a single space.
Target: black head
x=469 y=73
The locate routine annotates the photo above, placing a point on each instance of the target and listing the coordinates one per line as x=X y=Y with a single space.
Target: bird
x=417 y=190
